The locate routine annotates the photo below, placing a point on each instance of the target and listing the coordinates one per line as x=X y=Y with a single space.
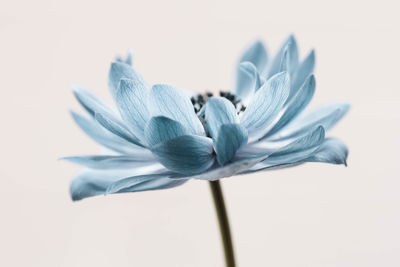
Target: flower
x=160 y=137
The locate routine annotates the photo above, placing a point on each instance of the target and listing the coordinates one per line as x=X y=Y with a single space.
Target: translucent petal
x=295 y=105
x=113 y=162
x=265 y=106
x=118 y=71
x=247 y=80
x=256 y=54
x=144 y=183
x=166 y=100
x=95 y=131
x=117 y=128
x=131 y=102
x=90 y=183
x=293 y=53
x=327 y=116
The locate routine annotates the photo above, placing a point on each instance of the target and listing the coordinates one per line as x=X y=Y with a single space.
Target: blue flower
x=160 y=137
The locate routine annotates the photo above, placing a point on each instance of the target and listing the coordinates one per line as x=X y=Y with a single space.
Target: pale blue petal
x=95 y=131
x=160 y=129
x=256 y=54
x=275 y=66
x=230 y=138
x=90 y=102
x=118 y=71
x=218 y=171
x=265 y=106
x=219 y=111
x=90 y=183
x=188 y=154
x=327 y=116
x=117 y=128
x=113 y=162
x=127 y=59
x=131 y=101
x=331 y=151
x=294 y=153
x=295 y=105
x=166 y=100
x=248 y=80
x=304 y=70
x=300 y=148
x=144 y=183
x=222 y=124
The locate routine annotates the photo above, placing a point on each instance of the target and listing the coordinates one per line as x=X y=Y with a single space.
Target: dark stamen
x=200 y=100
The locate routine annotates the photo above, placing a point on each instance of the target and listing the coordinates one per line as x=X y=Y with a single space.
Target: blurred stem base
x=223 y=221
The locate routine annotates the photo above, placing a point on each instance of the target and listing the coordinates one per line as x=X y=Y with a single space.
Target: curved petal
x=95 y=131
x=294 y=153
x=187 y=154
x=113 y=162
x=327 y=116
x=331 y=151
x=295 y=105
x=293 y=56
x=160 y=129
x=127 y=59
x=89 y=183
x=118 y=71
x=219 y=111
x=166 y=100
x=230 y=138
x=304 y=70
x=222 y=124
x=131 y=101
x=116 y=128
x=265 y=106
x=144 y=183
x=247 y=80
x=242 y=165
x=90 y=102
x=256 y=54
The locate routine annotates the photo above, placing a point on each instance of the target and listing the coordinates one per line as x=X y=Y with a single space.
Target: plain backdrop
x=311 y=215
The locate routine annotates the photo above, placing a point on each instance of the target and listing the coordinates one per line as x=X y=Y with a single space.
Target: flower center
x=200 y=100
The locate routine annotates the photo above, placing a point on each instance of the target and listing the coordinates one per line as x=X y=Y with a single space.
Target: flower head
x=160 y=137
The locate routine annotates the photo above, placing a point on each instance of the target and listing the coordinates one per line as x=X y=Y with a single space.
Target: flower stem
x=223 y=220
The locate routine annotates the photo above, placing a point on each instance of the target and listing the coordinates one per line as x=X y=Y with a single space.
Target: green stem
x=223 y=220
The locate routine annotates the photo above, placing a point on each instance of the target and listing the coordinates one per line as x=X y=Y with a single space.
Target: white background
x=312 y=215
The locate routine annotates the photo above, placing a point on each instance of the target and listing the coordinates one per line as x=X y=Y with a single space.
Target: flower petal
x=327 y=116
x=117 y=128
x=230 y=138
x=294 y=153
x=331 y=151
x=118 y=71
x=131 y=101
x=291 y=44
x=265 y=106
x=222 y=124
x=127 y=59
x=143 y=183
x=248 y=80
x=90 y=102
x=113 y=162
x=256 y=54
x=187 y=154
x=90 y=183
x=295 y=105
x=304 y=70
x=219 y=111
x=95 y=131
x=160 y=129
x=166 y=100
